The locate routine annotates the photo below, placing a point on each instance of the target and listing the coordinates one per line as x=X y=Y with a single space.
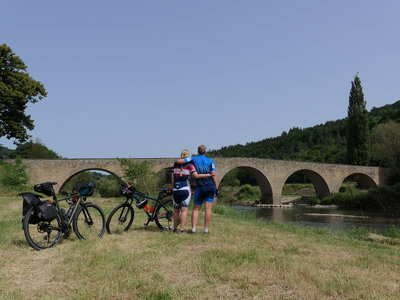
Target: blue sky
x=149 y=78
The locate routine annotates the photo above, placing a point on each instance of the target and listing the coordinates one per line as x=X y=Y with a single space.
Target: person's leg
x=209 y=195
x=196 y=208
x=207 y=215
x=195 y=216
x=182 y=222
x=184 y=209
x=176 y=218
x=176 y=203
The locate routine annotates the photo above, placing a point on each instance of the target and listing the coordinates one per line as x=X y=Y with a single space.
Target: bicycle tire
x=39 y=236
x=89 y=221
x=120 y=218
x=164 y=215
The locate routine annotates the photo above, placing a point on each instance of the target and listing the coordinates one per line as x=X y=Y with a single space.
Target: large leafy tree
x=385 y=147
x=357 y=126
x=17 y=89
x=33 y=150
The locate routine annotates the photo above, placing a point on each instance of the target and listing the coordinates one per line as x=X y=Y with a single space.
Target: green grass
x=242 y=258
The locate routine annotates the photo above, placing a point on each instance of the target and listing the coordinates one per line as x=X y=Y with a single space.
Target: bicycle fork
x=88 y=218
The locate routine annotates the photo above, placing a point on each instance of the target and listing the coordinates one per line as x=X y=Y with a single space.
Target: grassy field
x=242 y=258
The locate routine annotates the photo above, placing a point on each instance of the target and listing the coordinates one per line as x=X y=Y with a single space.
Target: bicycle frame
x=151 y=216
x=77 y=204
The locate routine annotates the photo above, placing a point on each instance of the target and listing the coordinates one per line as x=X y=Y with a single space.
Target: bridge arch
x=261 y=179
x=364 y=181
x=60 y=187
x=320 y=185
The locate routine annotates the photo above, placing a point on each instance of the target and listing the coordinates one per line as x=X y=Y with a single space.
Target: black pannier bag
x=30 y=200
x=44 y=188
x=46 y=211
x=86 y=189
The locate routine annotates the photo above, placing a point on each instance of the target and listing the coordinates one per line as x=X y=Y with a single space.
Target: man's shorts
x=181 y=198
x=204 y=193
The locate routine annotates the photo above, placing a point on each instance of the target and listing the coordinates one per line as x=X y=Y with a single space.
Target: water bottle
x=64 y=215
x=70 y=210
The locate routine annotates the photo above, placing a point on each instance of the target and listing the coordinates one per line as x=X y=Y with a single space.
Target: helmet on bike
x=141 y=203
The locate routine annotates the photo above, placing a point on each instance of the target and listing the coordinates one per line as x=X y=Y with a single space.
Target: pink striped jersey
x=182 y=172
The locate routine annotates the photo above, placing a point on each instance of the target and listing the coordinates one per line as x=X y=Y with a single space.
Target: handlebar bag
x=86 y=189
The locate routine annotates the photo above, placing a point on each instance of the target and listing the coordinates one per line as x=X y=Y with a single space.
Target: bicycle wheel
x=120 y=218
x=164 y=214
x=42 y=235
x=89 y=221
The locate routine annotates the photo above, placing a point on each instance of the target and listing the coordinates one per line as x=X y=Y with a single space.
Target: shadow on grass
x=19 y=243
x=150 y=229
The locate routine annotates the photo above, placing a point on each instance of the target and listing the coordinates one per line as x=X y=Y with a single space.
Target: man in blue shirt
x=206 y=188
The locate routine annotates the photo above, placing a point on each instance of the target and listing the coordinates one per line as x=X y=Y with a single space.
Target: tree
x=13 y=175
x=17 y=89
x=357 y=126
x=33 y=150
x=139 y=174
x=385 y=146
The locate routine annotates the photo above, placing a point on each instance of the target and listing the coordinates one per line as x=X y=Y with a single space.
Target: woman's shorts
x=181 y=198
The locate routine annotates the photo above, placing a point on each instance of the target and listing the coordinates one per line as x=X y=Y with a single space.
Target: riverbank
x=242 y=258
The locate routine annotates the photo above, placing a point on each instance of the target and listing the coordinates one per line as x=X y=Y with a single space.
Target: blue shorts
x=204 y=193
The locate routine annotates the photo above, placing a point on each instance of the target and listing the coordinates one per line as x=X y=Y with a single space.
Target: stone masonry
x=271 y=175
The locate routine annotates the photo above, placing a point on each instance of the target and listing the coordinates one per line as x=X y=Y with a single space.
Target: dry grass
x=240 y=259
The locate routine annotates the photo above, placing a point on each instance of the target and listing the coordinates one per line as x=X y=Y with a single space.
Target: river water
x=326 y=216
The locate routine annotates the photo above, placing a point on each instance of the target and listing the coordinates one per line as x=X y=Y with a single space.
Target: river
x=326 y=216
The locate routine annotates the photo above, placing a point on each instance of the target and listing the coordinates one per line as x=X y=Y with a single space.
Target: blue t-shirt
x=203 y=165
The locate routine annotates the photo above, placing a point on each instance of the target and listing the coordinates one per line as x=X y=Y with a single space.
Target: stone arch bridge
x=271 y=175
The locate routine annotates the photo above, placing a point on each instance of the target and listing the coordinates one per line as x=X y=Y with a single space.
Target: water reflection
x=326 y=217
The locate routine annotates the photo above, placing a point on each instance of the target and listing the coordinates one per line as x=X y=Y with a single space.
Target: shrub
x=108 y=187
x=13 y=175
x=246 y=190
x=384 y=197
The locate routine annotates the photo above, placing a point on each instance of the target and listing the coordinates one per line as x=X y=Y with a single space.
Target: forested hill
x=321 y=143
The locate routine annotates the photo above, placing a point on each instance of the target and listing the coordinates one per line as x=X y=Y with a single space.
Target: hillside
x=322 y=143
x=5 y=152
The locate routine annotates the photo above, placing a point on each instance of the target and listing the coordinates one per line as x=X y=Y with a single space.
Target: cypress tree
x=357 y=126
